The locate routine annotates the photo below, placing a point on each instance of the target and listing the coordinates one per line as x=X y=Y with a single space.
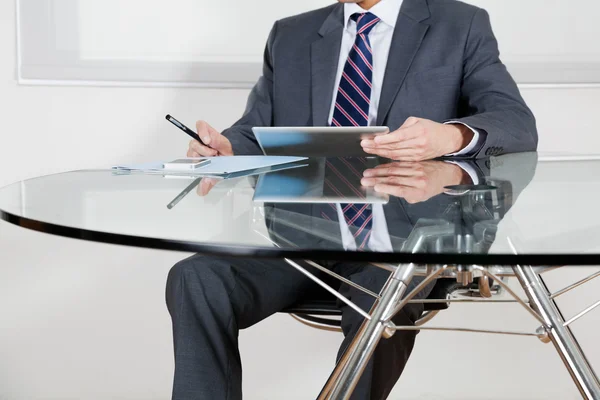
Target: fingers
x=415 y=182
x=415 y=144
x=402 y=135
x=413 y=141
x=206 y=185
x=411 y=129
x=404 y=138
x=206 y=132
x=396 y=174
x=192 y=154
x=398 y=155
x=410 y=194
x=395 y=169
x=196 y=149
x=220 y=145
x=214 y=139
x=414 y=148
x=394 y=190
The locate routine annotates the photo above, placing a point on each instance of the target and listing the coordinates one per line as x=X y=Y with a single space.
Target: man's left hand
x=418 y=140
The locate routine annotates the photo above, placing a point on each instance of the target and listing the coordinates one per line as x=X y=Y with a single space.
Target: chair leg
x=347 y=373
x=566 y=345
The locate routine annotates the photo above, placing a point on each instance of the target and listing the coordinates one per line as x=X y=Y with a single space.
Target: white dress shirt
x=380 y=38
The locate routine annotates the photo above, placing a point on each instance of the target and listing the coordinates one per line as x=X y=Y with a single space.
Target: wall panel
x=220 y=43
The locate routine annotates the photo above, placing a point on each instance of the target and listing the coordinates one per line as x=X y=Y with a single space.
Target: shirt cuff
x=471 y=146
x=468 y=168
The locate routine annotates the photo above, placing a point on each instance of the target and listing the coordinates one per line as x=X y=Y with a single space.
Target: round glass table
x=474 y=222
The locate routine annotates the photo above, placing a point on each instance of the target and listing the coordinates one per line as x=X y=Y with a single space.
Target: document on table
x=225 y=166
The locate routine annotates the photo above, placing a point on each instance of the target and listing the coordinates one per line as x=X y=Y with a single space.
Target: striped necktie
x=352 y=109
x=354 y=93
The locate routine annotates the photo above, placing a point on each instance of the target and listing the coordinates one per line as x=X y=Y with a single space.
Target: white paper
x=218 y=165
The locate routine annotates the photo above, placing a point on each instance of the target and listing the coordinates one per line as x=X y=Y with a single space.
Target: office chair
x=478 y=215
x=320 y=310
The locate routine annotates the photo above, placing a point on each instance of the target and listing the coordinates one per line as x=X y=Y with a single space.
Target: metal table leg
x=347 y=373
x=569 y=350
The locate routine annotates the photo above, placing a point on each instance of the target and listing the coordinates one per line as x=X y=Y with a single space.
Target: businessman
x=427 y=69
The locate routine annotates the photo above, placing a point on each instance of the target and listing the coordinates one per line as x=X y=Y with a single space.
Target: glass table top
x=507 y=210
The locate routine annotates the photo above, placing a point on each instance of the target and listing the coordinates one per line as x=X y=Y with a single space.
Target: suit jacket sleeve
x=259 y=108
x=490 y=97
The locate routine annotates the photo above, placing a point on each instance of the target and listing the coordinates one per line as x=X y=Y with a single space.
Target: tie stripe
x=363 y=57
x=351 y=167
x=333 y=188
x=352 y=109
x=344 y=179
x=364 y=38
x=348 y=117
x=367 y=26
x=348 y=207
x=365 y=241
x=360 y=73
x=354 y=86
x=364 y=225
x=353 y=103
x=358 y=215
x=357 y=116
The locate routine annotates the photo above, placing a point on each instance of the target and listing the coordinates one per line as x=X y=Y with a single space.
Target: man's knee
x=200 y=276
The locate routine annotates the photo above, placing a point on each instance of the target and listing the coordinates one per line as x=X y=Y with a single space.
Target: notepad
x=225 y=166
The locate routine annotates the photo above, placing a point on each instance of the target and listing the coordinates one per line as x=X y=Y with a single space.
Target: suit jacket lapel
x=407 y=39
x=324 y=57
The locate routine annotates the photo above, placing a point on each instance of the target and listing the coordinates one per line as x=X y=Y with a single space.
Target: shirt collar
x=386 y=10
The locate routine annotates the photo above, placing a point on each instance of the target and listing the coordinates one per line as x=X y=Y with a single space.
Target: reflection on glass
x=323 y=180
x=432 y=207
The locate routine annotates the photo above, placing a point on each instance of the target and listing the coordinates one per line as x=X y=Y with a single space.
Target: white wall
x=68 y=40
x=87 y=321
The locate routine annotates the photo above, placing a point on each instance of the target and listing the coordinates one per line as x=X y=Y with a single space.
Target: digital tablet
x=315 y=141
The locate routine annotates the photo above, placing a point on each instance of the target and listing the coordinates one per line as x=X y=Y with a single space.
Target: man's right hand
x=216 y=144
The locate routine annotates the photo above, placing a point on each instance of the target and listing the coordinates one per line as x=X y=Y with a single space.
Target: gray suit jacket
x=443 y=65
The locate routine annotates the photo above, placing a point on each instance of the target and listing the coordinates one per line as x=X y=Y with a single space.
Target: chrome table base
x=378 y=326
x=357 y=355
x=559 y=332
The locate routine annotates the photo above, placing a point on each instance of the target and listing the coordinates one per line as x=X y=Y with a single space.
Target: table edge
x=278 y=253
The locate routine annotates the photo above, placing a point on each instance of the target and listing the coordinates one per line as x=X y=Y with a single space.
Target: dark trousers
x=210 y=299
